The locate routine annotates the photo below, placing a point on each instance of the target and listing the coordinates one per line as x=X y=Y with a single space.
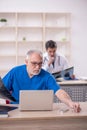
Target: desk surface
x=55 y=113
x=53 y=120
x=74 y=82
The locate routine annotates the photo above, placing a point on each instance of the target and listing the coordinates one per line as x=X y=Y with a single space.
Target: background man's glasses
x=36 y=63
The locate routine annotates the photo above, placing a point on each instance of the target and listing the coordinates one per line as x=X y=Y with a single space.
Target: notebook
x=3 y=113
x=36 y=100
x=5 y=108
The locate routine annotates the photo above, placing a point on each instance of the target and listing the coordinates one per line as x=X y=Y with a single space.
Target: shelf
x=7 y=62
x=30 y=35
x=7 y=34
x=30 y=19
x=24 y=47
x=30 y=30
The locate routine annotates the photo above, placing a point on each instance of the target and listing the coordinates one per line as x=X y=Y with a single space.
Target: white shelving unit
x=24 y=31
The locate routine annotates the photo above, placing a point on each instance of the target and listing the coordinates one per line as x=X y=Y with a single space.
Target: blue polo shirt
x=18 y=79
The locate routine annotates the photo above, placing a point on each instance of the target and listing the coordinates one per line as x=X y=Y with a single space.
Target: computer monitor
x=4 y=93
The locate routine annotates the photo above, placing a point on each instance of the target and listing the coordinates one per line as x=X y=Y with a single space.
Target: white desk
x=77 y=89
x=73 y=82
x=46 y=120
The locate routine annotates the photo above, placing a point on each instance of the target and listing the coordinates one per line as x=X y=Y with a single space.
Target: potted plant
x=3 y=21
x=63 y=39
x=24 y=38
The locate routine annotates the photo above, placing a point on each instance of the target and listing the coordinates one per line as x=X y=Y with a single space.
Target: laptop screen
x=36 y=100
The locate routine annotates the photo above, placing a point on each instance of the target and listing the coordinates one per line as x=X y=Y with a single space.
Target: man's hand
x=64 y=97
x=75 y=106
x=72 y=76
x=51 y=60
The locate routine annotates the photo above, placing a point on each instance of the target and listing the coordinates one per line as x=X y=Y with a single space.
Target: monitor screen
x=4 y=93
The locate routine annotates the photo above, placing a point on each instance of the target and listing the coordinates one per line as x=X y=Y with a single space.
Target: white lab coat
x=60 y=63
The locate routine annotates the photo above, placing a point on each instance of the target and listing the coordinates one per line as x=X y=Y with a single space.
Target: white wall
x=78 y=8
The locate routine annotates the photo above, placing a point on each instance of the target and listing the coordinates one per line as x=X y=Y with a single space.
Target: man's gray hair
x=30 y=52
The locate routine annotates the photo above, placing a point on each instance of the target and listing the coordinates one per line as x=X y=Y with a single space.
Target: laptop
x=36 y=100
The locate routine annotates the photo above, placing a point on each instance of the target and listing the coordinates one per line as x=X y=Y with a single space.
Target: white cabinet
x=29 y=33
x=7 y=42
x=25 y=31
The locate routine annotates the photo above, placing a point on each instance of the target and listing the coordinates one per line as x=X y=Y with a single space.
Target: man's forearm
x=63 y=96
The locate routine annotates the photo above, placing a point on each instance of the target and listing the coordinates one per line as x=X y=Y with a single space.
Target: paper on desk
x=83 y=78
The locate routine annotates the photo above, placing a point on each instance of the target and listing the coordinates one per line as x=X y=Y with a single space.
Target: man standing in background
x=52 y=61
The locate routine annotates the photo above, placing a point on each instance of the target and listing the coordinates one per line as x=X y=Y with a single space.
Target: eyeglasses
x=36 y=63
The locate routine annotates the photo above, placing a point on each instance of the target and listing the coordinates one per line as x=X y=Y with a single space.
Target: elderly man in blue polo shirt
x=31 y=76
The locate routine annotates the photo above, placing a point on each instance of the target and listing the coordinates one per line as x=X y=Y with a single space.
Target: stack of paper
x=3 y=113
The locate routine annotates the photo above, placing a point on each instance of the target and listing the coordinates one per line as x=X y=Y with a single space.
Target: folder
x=66 y=74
